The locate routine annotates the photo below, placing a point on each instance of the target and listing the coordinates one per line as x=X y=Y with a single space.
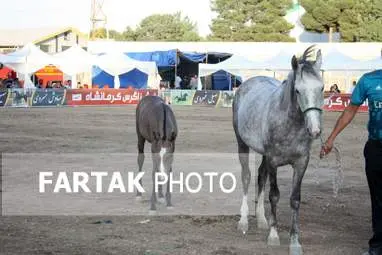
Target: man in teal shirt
x=369 y=87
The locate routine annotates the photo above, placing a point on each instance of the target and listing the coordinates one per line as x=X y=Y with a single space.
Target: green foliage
x=250 y=20
x=359 y=20
x=128 y=35
x=157 y=27
x=167 y=27
x=98 y=33
x=101 y=33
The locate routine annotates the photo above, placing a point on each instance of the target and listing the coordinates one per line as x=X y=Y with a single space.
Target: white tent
x=236 y=65
x=334 y=60
x=30 y=56
x=27 y=60
x=73 y=61
x=372 y=64
x=282 y=61
x=119 y=63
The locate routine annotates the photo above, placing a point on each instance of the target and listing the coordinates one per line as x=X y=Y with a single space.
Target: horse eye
x=322 y=89
x=298 y=92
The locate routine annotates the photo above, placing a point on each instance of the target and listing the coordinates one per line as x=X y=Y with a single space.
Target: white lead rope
x=338 y=175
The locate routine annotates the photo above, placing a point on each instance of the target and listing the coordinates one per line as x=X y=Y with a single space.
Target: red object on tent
x=49 y=73
x=4 y=73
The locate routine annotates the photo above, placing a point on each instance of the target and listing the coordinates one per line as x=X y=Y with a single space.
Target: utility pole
x=98 y=18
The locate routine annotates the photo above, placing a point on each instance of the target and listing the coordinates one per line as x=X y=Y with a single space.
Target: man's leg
x=373 y=165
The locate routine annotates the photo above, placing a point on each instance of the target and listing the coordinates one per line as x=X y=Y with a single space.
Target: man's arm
x=344 y=120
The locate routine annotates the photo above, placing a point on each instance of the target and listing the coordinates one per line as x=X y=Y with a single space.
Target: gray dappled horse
x=278 y=121
x=156 y=124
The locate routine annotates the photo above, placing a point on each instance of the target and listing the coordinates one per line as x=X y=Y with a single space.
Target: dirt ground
x=328 y=225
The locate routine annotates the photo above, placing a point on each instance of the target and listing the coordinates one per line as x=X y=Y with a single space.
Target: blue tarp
x=221 y=80
x=161 y=58
x=134 y=78
x=166 y=58
x=195 y=57
x=102 y=78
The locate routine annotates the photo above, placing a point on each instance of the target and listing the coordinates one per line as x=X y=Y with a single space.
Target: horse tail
x=164 y=121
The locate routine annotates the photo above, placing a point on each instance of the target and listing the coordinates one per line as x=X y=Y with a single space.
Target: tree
x=113 y=34
x=101 y=33
x=355 y=20
x=250 y=20
x=166 y=27
x=129 y=34
x=98 y=33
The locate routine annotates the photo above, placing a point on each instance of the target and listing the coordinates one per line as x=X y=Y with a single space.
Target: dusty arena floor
x=328 y=225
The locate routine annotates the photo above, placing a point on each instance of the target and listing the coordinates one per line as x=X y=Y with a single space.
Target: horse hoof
x=152 y=212
x=295 y=249
x=170 y=207
x=138 y=198
x=161 y=200
x=243 y=226
x=273 y=241
x=262 y=224
x=273 y=237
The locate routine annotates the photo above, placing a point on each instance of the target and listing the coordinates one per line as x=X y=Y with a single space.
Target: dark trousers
x=373 y=165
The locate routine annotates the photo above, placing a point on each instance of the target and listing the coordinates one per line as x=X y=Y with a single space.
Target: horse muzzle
x=313 y=121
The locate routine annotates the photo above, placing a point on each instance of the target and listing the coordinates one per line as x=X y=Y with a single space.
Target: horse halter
x=311 y=109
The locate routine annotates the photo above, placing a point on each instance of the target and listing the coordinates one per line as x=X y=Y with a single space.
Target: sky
x=120 y=13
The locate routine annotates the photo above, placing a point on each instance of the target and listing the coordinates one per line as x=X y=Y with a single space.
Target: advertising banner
x=338 y=102
x=182 y=97
x=165 y=95
x=19 y=97
x=226 y=98
x=48 y=97
x=3 y=96
x=206 y=97
x=106 y=96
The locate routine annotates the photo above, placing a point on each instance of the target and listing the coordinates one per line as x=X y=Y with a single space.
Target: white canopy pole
x=74 y=81
x=116 y=82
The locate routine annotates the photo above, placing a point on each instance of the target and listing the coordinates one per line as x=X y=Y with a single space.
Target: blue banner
x=3 y=97
x=48 y=97
x=206 y=97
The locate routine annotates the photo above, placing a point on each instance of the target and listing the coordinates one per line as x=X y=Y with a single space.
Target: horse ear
x=318 y=61
x=294 y=63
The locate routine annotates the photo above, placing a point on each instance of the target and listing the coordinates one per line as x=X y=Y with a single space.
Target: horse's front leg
x=274 y=196
x=299 y=168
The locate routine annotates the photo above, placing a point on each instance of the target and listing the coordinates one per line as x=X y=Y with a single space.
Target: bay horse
x=279 y=121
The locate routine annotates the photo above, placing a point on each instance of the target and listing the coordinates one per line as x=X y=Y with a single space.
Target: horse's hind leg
x=299 y=168
x=141 y=159
x=156 y=163
x=168 y=193
x=246 y=179
x=262 y=180
x=274 y=196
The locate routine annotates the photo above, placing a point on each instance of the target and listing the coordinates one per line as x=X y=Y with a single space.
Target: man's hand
x=326 y=148
x=345 y=118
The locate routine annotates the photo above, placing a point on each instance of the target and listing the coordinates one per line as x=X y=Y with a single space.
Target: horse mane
x=307 y=66
x=288 y=90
